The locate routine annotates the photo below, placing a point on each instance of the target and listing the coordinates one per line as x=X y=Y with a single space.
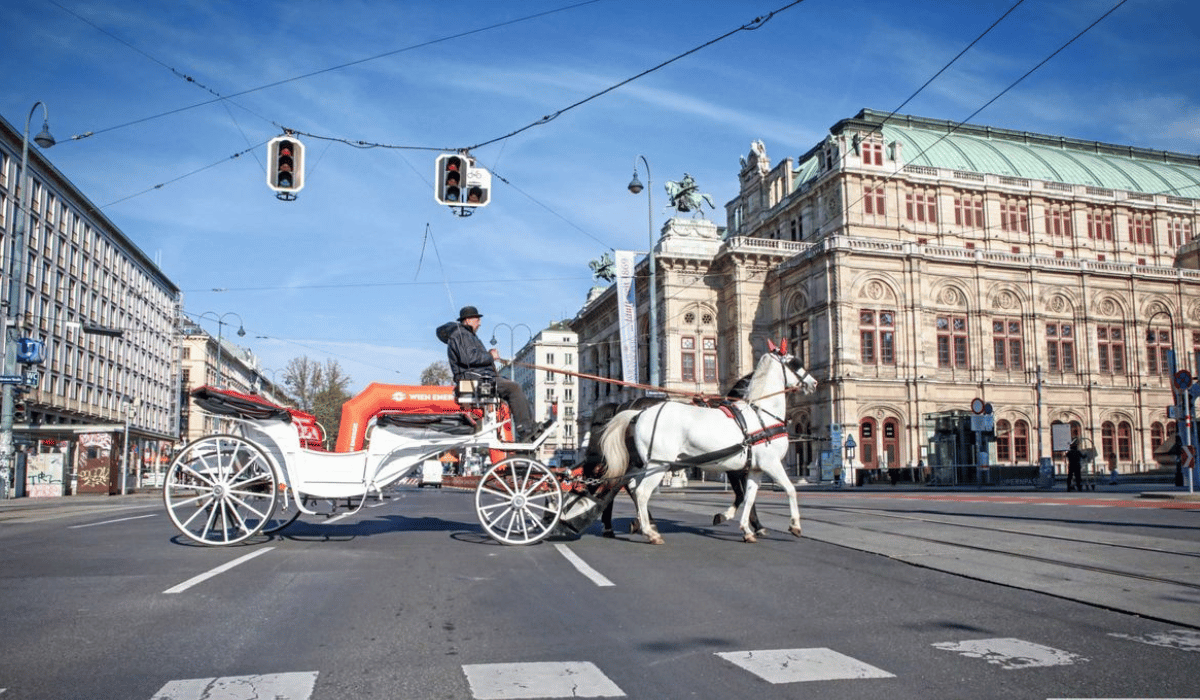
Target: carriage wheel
x=519 y=501
x=221 y=489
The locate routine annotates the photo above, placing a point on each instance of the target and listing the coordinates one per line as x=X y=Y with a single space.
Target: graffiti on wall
x=44 y=475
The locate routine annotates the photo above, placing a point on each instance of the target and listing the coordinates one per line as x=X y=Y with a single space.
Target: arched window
x=1020 y=441
x=1003 y=441
x=891 y=442
x=1157 y=435
x=1124 y=448
x=866 y=443
x=1108 y=433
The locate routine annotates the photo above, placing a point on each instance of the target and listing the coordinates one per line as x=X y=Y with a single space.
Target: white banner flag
x=627 y=312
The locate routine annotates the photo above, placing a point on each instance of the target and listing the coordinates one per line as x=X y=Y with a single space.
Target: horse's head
x=794 y=372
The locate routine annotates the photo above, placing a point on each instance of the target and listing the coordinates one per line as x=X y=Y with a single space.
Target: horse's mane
x=758 y=380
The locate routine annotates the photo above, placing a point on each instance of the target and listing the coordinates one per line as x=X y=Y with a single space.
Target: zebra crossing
x=549 y=679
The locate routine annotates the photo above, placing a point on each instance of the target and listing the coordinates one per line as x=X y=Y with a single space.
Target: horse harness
x=750 y=436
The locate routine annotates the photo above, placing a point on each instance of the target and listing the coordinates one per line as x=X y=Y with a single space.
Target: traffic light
x=285 y=166
x=460 y=182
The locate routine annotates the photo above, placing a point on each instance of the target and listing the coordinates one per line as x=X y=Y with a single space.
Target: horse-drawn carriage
x=260 y=476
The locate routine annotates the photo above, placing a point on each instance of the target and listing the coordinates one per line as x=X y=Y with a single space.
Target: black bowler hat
x=469 y=312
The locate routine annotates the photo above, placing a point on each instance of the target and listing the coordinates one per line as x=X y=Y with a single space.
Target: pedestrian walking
x=1074 y=466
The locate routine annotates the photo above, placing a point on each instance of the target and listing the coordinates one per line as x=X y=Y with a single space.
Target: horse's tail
x=612 y=445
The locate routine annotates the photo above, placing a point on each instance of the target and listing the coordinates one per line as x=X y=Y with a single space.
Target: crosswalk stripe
x=801 y=665
x=548 y=679
x=293 y=686
x=1009 y=653
x=1184 y=640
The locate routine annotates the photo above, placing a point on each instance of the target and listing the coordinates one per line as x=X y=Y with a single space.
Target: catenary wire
x=998 y=95
x=330 y=69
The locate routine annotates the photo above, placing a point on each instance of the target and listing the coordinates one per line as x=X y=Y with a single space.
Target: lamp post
x=14 y=296
x=635 y=186
x=848 y=459
x=512 y=347
x=220 y=334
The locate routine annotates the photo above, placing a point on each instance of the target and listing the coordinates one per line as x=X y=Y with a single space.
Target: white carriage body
x=393 y=453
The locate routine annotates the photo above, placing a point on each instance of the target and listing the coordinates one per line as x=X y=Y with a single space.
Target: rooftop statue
x=685 y=197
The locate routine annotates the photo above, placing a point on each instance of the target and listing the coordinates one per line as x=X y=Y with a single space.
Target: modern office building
x=106 y=315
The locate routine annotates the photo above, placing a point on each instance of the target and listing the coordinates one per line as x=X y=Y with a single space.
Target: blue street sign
x=11 y=379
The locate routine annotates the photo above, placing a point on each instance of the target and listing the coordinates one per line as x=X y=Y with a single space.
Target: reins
x=645 y=387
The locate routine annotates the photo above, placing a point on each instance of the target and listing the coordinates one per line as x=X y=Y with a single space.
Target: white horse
x=673 y=435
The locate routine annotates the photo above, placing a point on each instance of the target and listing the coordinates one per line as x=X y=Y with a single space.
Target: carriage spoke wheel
x=221 y=489
x=519 y=501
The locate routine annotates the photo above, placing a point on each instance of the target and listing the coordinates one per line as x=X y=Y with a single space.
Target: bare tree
x=436 y=374
x=319 y=389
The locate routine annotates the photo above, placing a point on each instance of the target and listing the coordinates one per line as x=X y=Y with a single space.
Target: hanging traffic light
x=450 y=169
x=285 y=166
x=461 y=183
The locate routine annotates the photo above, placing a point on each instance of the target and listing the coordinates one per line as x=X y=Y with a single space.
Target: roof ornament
x=685 y=196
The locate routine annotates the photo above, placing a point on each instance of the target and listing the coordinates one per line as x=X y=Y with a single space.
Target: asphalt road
x=887 y=595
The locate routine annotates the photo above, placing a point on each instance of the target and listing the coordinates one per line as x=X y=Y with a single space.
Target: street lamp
x=635 y=186
x=220 y=334
x=848 y=461
x=512 y=370
x=14 y=295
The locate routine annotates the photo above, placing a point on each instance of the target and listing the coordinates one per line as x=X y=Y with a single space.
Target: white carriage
x=258 y=478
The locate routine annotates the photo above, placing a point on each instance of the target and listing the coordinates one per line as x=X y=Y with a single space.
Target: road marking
x=336 y=518
x=583 y=567
x=1184 y=640
x=1010 y=654
x=801 y=665
x=109 y=522
x=549 y=679
x=213 y=572
x=293 y=686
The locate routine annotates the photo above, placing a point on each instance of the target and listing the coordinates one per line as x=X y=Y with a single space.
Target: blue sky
x=364 y=265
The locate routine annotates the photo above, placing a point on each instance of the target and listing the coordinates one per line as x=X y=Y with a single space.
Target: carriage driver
x=469 y=359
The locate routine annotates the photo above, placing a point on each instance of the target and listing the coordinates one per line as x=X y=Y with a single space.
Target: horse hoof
x=608 y=533
x=718 y=518
x=761 y=532
x=794 y=530
x=634 y=528
x=749 y=538
x=656 y=540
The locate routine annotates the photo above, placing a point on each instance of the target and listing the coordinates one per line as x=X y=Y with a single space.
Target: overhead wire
x=329 y=69
x=955 y=126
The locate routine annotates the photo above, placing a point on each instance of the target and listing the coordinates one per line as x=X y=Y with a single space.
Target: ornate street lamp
x=635 y=186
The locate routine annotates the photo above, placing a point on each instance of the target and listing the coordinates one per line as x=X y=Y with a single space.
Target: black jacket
x=465 y=352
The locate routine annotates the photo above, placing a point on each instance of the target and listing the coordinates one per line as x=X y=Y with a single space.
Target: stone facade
x=917 y=265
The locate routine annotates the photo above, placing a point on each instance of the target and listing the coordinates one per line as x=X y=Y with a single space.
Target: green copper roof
x=1009 y=153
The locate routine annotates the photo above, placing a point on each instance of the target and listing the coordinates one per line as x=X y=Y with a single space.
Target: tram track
x=1142 y=578
x=1008 y=552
